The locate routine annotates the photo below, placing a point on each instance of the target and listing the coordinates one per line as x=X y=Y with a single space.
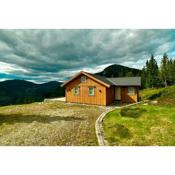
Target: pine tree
x=147 y=75
x=151 y=73
x=154 y=72
x=143 y=77
x=164 y=69
x=173 y=72
x=170 y=72
x=154 y=76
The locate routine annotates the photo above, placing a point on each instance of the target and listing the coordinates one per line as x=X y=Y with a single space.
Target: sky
x=55 y=55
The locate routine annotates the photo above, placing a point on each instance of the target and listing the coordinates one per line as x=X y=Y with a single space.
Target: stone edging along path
x=98 y=124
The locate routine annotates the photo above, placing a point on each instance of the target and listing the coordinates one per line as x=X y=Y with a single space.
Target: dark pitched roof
x=120 y=81
x=125 y=81
x=101 y=78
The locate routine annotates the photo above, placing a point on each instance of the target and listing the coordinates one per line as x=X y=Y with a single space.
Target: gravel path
x=99 y=128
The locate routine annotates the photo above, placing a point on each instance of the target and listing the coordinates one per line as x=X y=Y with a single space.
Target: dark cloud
x=44 y=55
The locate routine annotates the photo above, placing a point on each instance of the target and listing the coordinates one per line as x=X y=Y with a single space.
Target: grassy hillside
x=141 y=125
x=164 y=96
x=144 y=124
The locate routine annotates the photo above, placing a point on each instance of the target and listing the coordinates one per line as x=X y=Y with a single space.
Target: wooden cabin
x=88 y=88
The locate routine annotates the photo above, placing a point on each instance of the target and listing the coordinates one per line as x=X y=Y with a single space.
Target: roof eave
x=126 y=85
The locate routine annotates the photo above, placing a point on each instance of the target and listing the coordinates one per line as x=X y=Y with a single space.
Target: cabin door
x=117 y=93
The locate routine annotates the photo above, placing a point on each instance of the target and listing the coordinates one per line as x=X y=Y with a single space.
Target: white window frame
x=83 y=79
x=76 y=90
x=131 y=90
x=93 y=94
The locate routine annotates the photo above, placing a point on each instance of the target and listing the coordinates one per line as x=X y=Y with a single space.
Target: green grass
x=164 y=96
x=146 y=124
x=141 y=125
x=51 y=124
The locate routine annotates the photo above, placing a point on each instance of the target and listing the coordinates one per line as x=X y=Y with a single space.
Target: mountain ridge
x=22 y=91
x=116 y=70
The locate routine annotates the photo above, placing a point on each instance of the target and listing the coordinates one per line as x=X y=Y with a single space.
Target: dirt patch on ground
x=48 y=123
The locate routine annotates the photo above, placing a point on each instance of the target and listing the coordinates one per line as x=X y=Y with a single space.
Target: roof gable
x=99 y=79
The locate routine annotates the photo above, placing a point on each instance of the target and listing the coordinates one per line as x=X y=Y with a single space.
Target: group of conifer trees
x=158 y=76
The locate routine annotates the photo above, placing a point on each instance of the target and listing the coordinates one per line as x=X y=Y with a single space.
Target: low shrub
x=154 y=96
x=132 y=112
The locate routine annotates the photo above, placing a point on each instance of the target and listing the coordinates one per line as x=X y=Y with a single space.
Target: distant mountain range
x=21 y=91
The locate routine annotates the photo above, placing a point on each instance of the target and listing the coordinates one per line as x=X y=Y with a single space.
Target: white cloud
x=3 y=79
x=11 y=68
x=95 y=69
x=44 y=55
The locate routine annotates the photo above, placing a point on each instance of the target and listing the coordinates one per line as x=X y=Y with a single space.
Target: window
x=131 y=91
x=76 y=90
x=91 y=91
x=83 y=79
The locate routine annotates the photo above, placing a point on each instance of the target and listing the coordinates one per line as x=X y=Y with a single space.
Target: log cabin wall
x=126 y=98
x=99 y=97
x=110 y=95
